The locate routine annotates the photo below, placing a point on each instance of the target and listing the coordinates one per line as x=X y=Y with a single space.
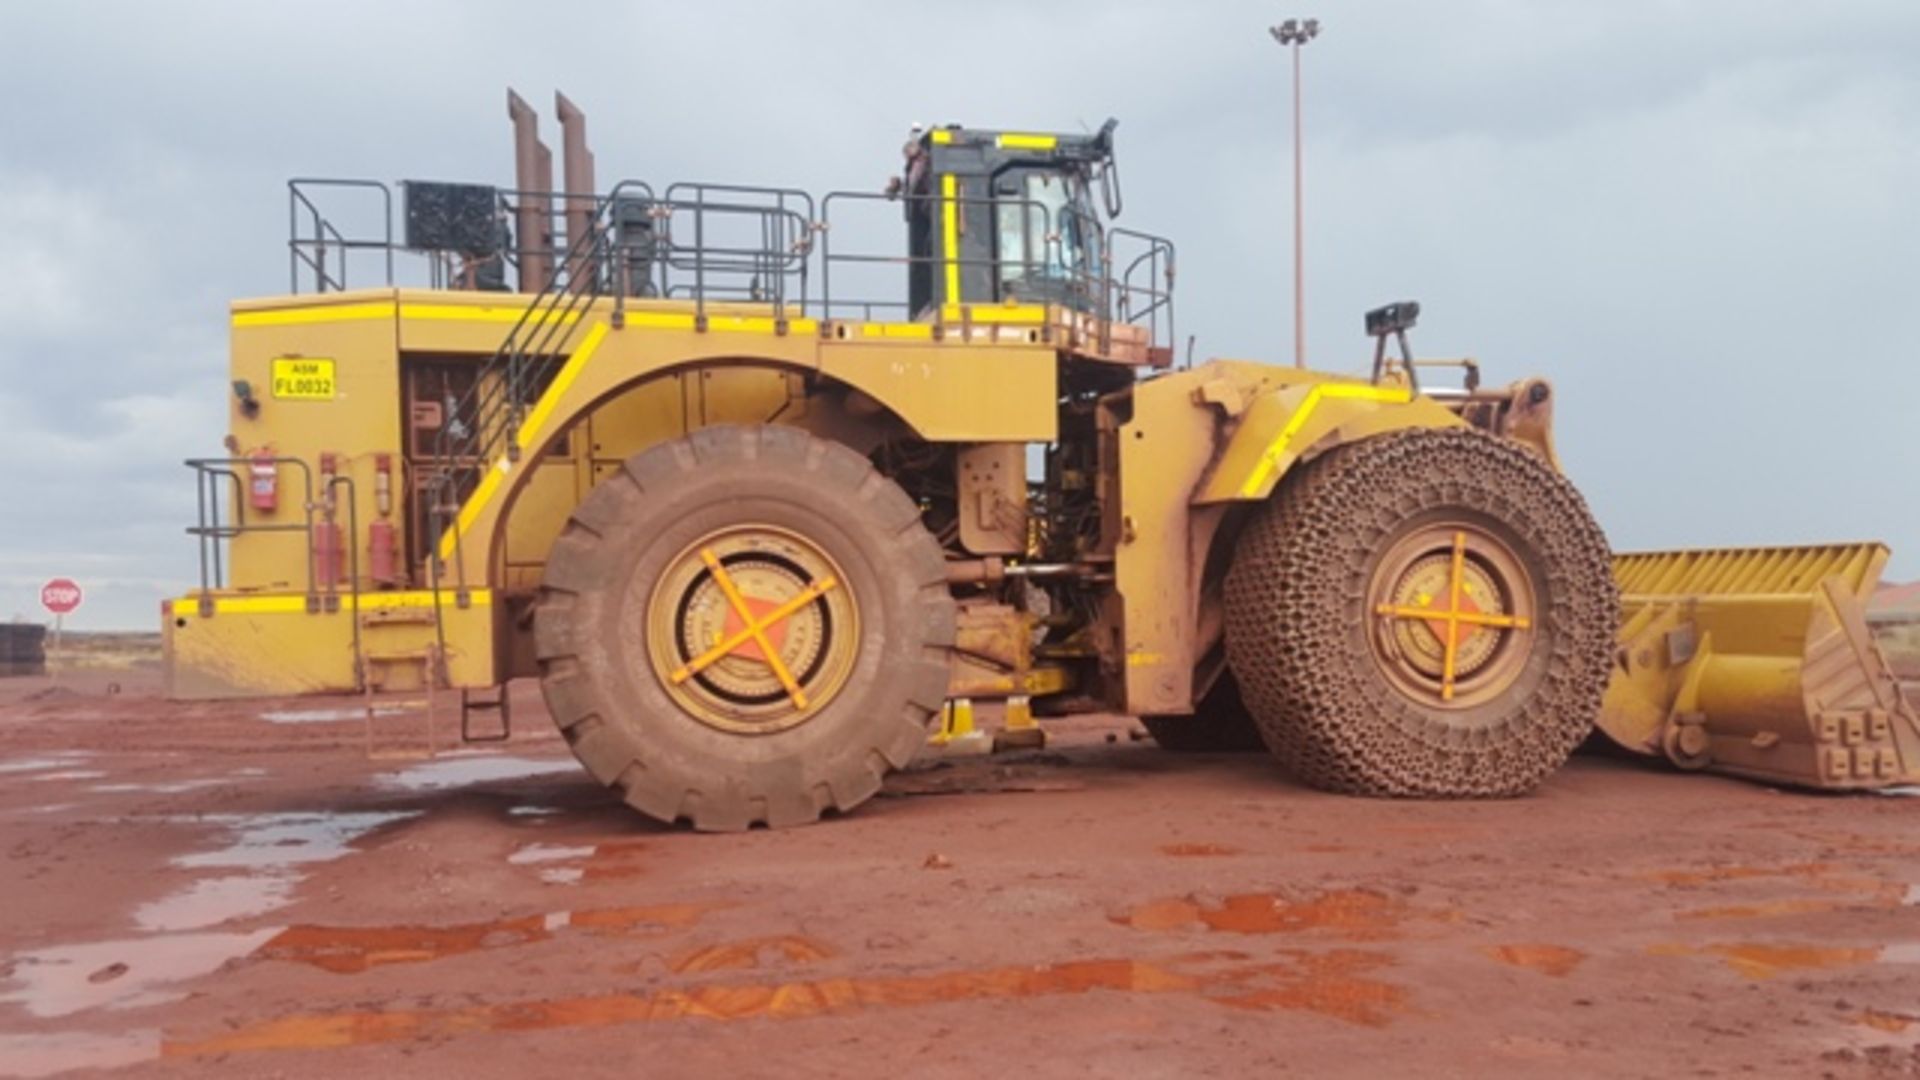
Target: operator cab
x=999 y=217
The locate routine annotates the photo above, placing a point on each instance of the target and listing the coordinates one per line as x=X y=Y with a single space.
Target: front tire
x=1338 y=628
x=645 y=629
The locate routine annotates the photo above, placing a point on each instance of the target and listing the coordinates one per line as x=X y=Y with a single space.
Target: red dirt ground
x=194 y=890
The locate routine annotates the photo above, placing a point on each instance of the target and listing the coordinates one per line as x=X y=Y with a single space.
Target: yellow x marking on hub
x=1454 y=616
x=756 y=628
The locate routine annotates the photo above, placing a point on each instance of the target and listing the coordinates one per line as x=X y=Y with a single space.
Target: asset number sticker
x=303 y=379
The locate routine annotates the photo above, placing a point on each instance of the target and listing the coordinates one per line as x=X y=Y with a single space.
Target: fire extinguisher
x=383 y=546
x=263 y=491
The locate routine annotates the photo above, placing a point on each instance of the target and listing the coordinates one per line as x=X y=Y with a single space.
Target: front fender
x=1283 y=425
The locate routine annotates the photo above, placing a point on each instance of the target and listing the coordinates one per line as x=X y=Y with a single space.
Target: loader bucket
x=1758 y=662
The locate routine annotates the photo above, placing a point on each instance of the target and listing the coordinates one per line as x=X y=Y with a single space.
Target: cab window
x=1043 y=202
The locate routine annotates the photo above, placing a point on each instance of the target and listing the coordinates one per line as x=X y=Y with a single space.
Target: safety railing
x=318 y=252
x=1032 y=261
x=730 y=243
x=211 y=532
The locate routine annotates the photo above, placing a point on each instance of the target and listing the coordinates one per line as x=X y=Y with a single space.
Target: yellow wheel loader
x=760 y=498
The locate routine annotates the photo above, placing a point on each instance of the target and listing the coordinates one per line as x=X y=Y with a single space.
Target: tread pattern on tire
x=671 y=767
x=1296 y=622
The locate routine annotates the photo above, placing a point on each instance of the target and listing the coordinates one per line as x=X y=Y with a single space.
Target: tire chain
x=1299 y=584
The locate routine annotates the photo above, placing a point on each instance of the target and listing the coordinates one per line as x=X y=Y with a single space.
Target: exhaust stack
x=579 y=196
x=533 y=178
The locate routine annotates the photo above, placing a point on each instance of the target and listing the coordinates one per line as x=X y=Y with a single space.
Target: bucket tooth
x=1758 y=662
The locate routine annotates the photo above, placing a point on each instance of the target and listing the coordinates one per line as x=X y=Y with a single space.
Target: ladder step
x=502 y=704
x=396 y=707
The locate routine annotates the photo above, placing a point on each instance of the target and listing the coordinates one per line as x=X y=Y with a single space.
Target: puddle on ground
x=266 y=841
x=1906 y=953
x=126 y=974
x=66 y=774
x=535 y=811
x=172 y=787
x=47 y=1053
x=1191 y=851
x=1341 y=984
x=1764 y=961
x=346 y=950
x=327 y=716
x=606 y=861
x=453 y=772
x=1555 y=960
x=212 y=901
x=540 y=853
x=269 y=848
x=65 y=759
x=50 y=808
x=1354 y=914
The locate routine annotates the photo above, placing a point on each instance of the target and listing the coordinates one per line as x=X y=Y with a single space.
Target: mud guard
x=1282 y=426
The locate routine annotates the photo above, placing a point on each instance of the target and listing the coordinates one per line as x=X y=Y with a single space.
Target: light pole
x=1294 y=33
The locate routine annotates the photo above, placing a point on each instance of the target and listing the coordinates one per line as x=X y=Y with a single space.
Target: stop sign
x=60 y=596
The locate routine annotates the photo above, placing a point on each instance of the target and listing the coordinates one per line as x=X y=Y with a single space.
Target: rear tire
x=1219 y=725
x=1353 y=698
x=635 y=594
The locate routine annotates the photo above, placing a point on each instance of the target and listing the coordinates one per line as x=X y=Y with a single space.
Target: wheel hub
x=752 y=629
x=1451 y=604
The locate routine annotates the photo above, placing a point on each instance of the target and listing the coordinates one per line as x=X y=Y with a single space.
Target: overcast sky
x=1699 y=218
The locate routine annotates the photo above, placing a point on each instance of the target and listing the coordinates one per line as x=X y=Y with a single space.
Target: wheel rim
x=1454 y=614
x=752 y=629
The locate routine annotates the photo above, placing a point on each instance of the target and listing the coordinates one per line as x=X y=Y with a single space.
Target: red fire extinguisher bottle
x=263 y=487
x=382 y=551
x=329 y=552
x=383 y=546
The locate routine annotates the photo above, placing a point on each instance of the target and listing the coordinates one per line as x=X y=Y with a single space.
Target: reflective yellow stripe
x=1021 y=314
x=897 y=330
x=296 y=603
x=943 y=136
x=527 y=435
x=950 y=233
x=758 y=324
x=1269 y=462
x=543 y=409
x=378 y=309
x=660 y=320
x=1027 y=142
